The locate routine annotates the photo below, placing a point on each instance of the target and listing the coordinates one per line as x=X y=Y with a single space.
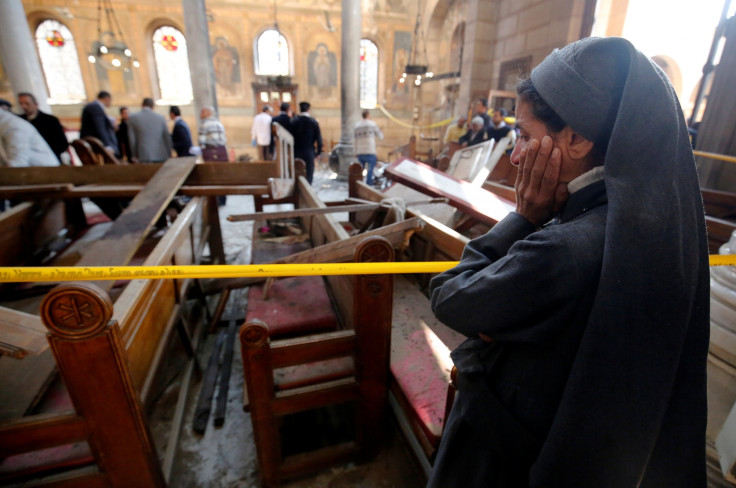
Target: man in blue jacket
x=587 y=309
x=96 y=123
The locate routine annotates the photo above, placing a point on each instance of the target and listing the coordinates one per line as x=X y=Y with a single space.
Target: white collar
x=585 y=179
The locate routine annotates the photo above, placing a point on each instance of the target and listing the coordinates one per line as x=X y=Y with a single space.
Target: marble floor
x=225 y=456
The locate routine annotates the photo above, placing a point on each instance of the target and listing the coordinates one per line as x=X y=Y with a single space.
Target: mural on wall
x=402 y=48
x=322 y=72
x=226 y=61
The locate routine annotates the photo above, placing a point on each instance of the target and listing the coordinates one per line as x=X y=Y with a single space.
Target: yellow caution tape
x=96 y=273
x=410 y=126
x=101 y=273
x=720 y=157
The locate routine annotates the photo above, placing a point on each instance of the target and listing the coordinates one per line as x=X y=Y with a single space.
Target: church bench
x=421 y=385
x=346 y=367
x=109 y=361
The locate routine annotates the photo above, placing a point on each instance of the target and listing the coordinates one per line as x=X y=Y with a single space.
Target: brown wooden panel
x=288 y=352
x=256 y=173
x=41 y=432
x=148 y=324
x=314 y=396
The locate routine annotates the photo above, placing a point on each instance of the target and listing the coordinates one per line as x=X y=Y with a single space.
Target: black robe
x=632 y=410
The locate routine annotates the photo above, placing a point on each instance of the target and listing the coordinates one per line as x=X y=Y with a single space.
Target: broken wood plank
x=334 y=252
x=119 y=244
x=29 y=191
x=21 y=334
x=224 y=380
x=280 y=187
x=204 y=404
x=301 y=212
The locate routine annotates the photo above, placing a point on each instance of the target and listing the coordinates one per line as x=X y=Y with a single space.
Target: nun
x=587 y=309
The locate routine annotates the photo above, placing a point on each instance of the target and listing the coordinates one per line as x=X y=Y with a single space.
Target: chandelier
x=414 y=67
x=110 y=49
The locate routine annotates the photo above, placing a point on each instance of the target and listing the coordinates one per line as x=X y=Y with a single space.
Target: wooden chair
x=99 y=149
x=85 y=153
x=345 y=366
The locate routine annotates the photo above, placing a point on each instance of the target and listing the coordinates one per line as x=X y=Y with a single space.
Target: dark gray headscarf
x=633 y=412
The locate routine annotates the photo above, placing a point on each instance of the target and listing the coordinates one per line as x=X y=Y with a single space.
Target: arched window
x=60 y=63
x=172 y=66
x=272 y=54
x=368 y=74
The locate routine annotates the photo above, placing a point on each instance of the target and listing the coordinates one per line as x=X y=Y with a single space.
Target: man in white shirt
x=260 y=133
x=366 y=132
x=21 y=144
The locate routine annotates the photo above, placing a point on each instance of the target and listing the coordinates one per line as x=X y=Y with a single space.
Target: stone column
x=18 y=54
x=349 y=85
x=200 y=56
x=478 y=47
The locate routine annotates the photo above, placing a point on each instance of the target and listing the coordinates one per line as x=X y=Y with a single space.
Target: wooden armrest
x=21 y=333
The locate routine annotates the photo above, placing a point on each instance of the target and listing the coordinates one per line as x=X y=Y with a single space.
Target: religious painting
x=226 y=62
x=322 y=72
x=402 y=48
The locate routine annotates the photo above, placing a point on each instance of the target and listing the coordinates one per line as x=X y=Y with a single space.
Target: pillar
x=18 y=53
x=349 y=84
x=477 y=62
x=717 y=132
x=200 y=58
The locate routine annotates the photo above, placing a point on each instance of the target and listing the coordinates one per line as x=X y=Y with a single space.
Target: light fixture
x=110 y=49
x=418 y=52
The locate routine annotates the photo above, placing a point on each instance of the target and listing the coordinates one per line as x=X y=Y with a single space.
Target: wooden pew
x=348 y=366
x=109 y=356
x=420 y=343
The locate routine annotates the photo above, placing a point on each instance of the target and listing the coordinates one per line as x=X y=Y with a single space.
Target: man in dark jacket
x=46 y=124
x=95 y=122
x=306 y=135
x=181 y=138
x=587 y=309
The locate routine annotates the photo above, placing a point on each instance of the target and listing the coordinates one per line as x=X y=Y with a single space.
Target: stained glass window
x=272 y=54
x=368 y=74
x=60 y=63
x=172 y=66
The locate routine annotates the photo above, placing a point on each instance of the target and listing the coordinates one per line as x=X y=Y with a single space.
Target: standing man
x=95 y=122
x=181 y=137
x=260 y=133
x=306 y=135
x=481 y=110
x=46 y=124
x=21 y=144
x=148 y=135
x=587 y=309
x=122 y=135
x=283 y=118
x=212 y=136
x=366 y=132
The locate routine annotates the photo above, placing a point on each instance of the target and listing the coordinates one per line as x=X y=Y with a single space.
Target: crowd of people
x=482 y=127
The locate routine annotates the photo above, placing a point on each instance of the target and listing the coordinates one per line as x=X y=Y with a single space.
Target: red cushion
x=420 y=356
x=295 y=306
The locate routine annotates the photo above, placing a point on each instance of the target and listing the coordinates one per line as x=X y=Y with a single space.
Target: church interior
x=153 y=352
